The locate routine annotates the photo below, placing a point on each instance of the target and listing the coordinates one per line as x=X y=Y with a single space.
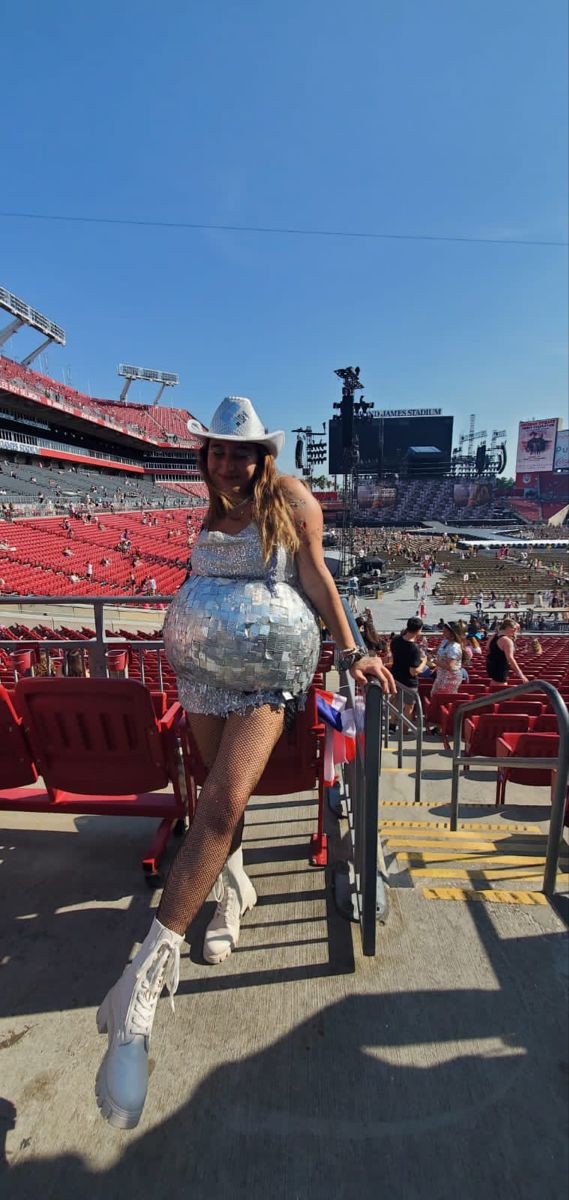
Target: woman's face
x=231 y=466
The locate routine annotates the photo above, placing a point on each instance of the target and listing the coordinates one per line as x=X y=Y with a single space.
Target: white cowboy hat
x=235 y=420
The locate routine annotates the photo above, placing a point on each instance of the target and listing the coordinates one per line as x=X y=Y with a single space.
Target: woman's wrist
x=349 y=657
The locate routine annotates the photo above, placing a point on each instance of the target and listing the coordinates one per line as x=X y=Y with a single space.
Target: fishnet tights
x=243 y=751
x=207 y=732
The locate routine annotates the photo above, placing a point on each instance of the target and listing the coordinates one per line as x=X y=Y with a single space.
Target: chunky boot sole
x=119 y=1118
x=214 y=958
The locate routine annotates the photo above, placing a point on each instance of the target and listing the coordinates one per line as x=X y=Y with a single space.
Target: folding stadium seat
x=99 y=747
x=117 y=662
x=546 y=723
x=296 y=764
x=525 y=745
x=447 y=711
x=23 y=661
x=482 y=729
x=17 y=767
x=531 y=708
x=435 y=703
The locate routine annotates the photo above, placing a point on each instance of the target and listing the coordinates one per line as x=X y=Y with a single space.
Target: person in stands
x=449 y=659
x=243 y=639
x=500 y=657
x=409 y=659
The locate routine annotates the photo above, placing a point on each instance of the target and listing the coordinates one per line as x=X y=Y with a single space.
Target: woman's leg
x=244 y=751
x=207 y=732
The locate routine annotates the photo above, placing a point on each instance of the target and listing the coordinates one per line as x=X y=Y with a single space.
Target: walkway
x=392 y=611
x=296 y=1070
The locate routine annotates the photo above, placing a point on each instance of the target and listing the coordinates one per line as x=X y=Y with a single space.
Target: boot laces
x=229 y=907
x=162 y=970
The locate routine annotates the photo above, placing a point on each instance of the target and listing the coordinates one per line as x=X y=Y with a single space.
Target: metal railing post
x=97 y=658
x=419 y=748
x=370 y=814
x=559 y=801
x=399 y=728
x=559 y=765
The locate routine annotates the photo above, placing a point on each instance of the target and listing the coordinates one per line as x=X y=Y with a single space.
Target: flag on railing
x=340 y=740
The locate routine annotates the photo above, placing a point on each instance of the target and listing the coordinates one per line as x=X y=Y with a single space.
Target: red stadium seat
x=481 y=731
x=100 y=749
x=525 y=745
x=17 y=767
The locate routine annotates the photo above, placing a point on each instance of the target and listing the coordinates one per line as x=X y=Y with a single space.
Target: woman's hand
x=372 y=668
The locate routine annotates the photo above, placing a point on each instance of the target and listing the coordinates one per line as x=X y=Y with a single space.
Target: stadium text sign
x=410 y=412
x=536 y=445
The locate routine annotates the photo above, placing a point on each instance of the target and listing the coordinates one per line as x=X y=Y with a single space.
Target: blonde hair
x=271 y=511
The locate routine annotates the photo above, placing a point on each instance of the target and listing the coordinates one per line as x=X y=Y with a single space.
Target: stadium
x=101 y=505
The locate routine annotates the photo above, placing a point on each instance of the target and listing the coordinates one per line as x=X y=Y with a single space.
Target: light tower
x=24 y=315
x=163 y=378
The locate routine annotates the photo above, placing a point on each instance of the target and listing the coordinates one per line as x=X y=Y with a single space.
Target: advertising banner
x=536 y=445
x=561 y=460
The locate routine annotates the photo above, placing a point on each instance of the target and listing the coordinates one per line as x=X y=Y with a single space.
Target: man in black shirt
x=408 y=659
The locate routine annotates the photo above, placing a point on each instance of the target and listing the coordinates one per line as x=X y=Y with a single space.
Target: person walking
x=409 y=660
x=242 y=637
x=449 y=659
x=500 y=657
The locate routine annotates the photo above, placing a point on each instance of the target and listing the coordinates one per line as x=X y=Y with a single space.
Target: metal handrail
x=560 y=765
x=418 y=728
x=361 y=793
x=96 y=646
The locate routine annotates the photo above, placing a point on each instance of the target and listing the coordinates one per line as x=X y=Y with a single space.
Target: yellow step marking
x=474 y=873
x=487 y=896
x=406 y=769
x=489 y=807
x=432 y=845
x=423 y=858
x=427 y=825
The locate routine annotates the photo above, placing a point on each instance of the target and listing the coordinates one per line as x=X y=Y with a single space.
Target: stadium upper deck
x=28 y=393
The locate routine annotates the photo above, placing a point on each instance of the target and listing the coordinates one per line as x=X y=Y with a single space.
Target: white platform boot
x=235 y=895
x=127 y=1014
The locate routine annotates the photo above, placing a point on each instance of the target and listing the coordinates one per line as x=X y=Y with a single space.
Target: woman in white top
x=449 y=659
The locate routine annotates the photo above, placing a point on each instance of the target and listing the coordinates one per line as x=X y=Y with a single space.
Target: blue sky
x=408 y=117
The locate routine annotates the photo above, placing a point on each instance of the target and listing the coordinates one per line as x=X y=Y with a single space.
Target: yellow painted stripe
x=475 y=873
x=489 y=807
x=478 y=828
x=406 y=770
x=432 y=844
x=486 y=896
x=469 y=836
x=496 y=860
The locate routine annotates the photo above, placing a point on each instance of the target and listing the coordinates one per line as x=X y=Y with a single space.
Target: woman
x=449 y=659
x=243 y=639
x=500 y=657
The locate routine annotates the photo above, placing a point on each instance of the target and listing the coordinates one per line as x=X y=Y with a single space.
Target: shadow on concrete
x=370 y=1096
x=66 y=937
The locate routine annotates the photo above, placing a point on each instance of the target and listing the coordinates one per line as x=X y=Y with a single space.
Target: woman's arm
x=316 y=580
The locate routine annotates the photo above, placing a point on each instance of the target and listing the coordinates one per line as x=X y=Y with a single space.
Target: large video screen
x=384 y=443
x=367 y=432
x=401 y=434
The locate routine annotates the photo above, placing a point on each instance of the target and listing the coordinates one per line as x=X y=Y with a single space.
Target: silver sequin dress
x=239 y=633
